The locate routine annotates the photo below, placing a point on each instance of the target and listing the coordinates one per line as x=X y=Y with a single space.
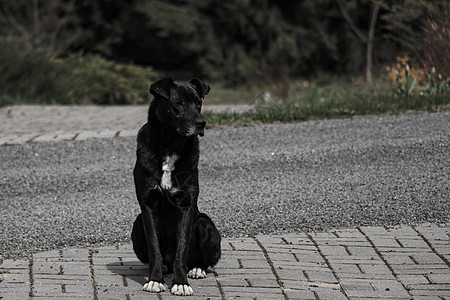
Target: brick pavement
x=28 y=123
x=363 y=263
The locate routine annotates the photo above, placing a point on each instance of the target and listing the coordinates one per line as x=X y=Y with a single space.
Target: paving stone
x=429 y=297
x=374 y=231
x=301 y=271
x=401 y=231
x=346 y=268
x=227 y=263
x=47 y=254
x=427 y=258
x=430 y=292
x=351 y=233
x=253 y=264
x=335 y=251
x=383 y=289
x=300 y=238
x=432 y=232
x=13 y=294
x=440 y=278
x=244 y=245
x=413 y=243
x=401 y=258
x=18 y=139
x=439 y=287
x=298 y=284
x=300 y=265
x=262 y=282
x=413 y=279
x=292 y=249
x=225 y=246
x=353 y=260
x=52 y=268
x=75 y=268
x=287 y=274
x=125 y=133
x=271 y=239
x=283 y=257
x=332 y=294
x=287 y=247
x=61 y=278
x=252 y=296
x=109 y=280
x=365 y=276
x=8 y=287
x=243 y=271
x=383 y=242
x=443 y=249
x=369 y=268
x=14 y=277
x=53 y=290
x=322 y=275
x=238 y=290
x=9 y=264
x=418 y=269
x=300 y=294
x=243 y=254
x=332 y=240
x=361 y=251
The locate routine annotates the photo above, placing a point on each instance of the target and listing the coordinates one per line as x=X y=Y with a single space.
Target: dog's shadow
x=129 y=270
x=133 y=272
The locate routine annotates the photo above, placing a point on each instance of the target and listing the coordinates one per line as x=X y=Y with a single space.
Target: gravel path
x=309 y=176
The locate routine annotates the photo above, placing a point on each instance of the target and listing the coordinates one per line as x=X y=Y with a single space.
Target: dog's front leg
x=180 y=283
x=155 y=277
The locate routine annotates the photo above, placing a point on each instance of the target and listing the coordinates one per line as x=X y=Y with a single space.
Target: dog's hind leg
x=138 y=238
x=204 y=248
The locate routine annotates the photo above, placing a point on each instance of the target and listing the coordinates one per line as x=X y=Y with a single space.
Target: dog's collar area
x=167 y=167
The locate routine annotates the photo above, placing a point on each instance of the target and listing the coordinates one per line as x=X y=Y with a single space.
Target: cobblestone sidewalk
x=27 y=123
x=364 y=263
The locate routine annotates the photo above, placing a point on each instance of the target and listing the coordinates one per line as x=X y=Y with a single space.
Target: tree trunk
x=373 y=21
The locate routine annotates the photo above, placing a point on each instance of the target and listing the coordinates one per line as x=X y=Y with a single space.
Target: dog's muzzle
x=200 y=127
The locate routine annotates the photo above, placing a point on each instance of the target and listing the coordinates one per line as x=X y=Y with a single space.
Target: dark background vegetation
x=108 y=51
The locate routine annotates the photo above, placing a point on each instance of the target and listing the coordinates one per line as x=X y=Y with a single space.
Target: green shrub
x=34 y=77
x=406 y=87
x=29 y=74
x=99 y=81
x=436 y=85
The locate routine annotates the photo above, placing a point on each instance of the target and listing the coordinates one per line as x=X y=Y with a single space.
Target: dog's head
x=179 y=103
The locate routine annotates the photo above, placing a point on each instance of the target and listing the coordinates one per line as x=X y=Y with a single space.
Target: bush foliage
x=36 y=77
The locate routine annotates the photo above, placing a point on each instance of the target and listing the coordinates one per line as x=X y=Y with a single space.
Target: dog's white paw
x=182 y=290
x=154 y=286
x=197 y=273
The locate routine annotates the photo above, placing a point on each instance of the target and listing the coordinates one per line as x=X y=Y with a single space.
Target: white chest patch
x=167 y=167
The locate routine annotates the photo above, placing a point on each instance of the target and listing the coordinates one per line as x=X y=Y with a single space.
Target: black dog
x=170 y=232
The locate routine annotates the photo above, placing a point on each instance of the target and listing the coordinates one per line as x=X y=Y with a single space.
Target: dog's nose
x=200 y=124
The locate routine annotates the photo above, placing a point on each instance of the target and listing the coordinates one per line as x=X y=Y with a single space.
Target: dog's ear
x=161 y=88
x=201 y=87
